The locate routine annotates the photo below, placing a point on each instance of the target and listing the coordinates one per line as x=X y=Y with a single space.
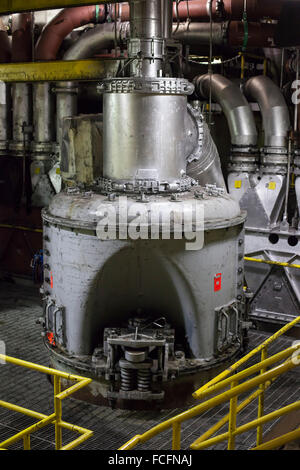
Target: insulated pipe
x=234 y=105
x=275 y=113
x=198 y=10
x=63 y=24
x=231 y=34
x=95 y=39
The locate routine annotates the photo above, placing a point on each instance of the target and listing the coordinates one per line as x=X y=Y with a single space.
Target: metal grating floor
x=19 y=308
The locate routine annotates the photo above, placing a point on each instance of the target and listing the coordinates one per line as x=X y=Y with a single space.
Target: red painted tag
x=218 y=282
x=51 y=280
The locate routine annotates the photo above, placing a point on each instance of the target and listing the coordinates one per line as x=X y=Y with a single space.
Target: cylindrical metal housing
x=131 y=150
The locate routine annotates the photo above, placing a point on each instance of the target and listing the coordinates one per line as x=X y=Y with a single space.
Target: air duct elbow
x=234 y=105
x=275 y=114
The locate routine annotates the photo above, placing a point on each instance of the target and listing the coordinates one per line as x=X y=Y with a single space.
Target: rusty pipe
x=63 y=24
x=22 y=37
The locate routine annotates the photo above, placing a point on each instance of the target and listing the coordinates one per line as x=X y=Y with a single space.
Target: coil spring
x=128 y=379
x=144 y=380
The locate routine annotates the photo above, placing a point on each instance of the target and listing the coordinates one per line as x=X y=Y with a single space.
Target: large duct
x=275 y=113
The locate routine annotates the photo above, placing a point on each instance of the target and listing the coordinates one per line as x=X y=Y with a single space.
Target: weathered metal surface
x=51 y=71
x=14 y=6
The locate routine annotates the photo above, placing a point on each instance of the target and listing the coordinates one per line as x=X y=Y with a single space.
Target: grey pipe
x=234 y=105
x=166 y=18
x=5 y=116
x=275 y=114
x=43 y=113
x=94 y=40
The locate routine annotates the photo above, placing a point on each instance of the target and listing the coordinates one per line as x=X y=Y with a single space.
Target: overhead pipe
x=224 y=33
x=234 y=105
x=63 y=24
x=198 y=10
x=275 y=113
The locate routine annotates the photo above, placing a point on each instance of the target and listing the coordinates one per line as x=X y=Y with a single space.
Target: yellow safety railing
x=56 y=417
x=259 y=377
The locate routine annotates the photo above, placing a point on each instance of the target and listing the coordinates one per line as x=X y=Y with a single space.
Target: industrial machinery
x=156 y=180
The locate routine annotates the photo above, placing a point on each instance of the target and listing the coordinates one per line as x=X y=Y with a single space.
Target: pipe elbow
x=63 y=24
x=274 y=110
x=234 y=105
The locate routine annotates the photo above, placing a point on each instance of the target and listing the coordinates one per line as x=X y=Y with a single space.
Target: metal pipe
x=224 y=33
x=167 y=18
x=63 y=24
x=197 y=10
x=234 y=105
x=43 y=116
x=94 y=40
x=145 y=38
x=5 y=93
x=21 y=92
x=91 y=42
x=275 y=113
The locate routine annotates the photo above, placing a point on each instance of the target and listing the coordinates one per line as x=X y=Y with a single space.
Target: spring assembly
x=128 y=379
x=144 y=380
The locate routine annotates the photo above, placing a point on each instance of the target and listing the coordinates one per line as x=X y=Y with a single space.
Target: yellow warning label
x=37 y=171
x=238 y=184
x=58 y=171
x=272 y=185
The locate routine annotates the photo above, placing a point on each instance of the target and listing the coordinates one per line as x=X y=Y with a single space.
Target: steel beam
x=52 y=71
x=15 y=6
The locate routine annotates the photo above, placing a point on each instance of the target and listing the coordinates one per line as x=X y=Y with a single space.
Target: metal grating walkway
x=19 y=309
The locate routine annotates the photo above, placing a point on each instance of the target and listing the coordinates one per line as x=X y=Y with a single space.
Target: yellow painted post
x=261 y=400
x=242 y=66
x=58 y=413
x=176 y=442
x=232 y=419
x=26 y=441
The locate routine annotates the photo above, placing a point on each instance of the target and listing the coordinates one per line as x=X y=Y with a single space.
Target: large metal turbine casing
x=144 y=313
x=92 y=285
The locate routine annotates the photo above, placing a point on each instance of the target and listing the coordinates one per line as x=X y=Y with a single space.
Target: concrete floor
x=20 y=307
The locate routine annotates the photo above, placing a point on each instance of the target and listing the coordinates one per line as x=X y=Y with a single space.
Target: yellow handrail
x=267 y=370
x=275 y=263
x=43 y=420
